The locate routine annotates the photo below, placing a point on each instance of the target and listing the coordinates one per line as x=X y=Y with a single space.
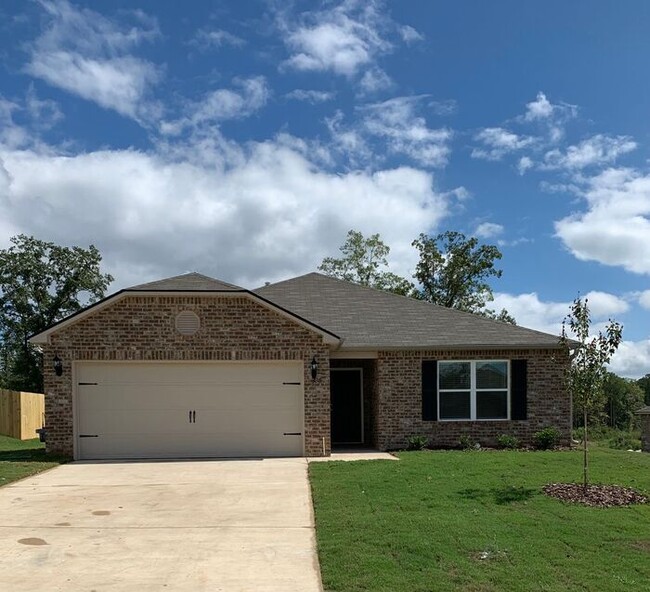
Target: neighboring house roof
x=366 y=318
x=644 y=410
x=188 y=282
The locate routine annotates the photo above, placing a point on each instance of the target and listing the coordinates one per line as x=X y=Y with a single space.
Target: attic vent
x=187 y=323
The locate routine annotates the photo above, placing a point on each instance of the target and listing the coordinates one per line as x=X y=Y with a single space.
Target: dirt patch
x=101 y=513
x=641 y=545
x=601 y=496
x=32 y=541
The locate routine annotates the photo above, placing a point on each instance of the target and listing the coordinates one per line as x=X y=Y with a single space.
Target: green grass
x=22 y=458
x=422 y=524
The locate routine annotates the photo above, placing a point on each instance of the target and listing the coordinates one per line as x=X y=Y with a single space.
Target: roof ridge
x=188 y=275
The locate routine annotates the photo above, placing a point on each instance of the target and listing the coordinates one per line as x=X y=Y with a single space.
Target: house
x=191 y=366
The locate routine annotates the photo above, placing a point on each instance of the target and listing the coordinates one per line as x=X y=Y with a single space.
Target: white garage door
x=176 y=410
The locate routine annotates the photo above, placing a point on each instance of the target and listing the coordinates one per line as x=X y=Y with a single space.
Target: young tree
x=453 y=271
x=586 y=373
x=365 y=262
x=40 y=283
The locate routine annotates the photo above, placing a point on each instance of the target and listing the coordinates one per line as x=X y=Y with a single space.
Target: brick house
x=194 y=367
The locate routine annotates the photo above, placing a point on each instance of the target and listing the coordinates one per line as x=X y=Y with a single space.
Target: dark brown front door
x=346 y=405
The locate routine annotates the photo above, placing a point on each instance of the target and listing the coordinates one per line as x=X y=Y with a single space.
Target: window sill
x=466 y=420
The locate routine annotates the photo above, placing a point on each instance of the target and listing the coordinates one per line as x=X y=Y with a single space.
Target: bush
x=546 y=438
x=507 y=442
x=624 y=441
x=418 y=442
x=467 y=443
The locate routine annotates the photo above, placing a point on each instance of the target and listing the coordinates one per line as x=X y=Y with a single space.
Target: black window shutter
x=429 y=390
x=518 y=389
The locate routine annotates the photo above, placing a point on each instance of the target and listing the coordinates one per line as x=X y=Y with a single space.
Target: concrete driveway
x=221 y=525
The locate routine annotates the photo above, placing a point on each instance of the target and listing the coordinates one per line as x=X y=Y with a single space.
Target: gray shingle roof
x=366 y=318
x=188 y=282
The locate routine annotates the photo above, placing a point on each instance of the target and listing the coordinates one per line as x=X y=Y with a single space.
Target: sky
x=244 y=139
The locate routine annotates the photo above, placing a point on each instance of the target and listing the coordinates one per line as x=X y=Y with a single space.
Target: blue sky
x=244 y=139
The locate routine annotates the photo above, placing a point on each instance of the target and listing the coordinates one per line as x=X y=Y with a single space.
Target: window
x=473 y=390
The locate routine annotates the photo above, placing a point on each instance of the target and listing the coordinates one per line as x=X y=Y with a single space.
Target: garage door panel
x=140 y=410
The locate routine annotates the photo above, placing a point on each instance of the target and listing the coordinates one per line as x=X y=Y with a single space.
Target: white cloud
x=498 y=142
x=208 y=38
x=488 y=230
x=409 y=34
x=531 y=312
x=310 y=96
x=443 y=108
x=632 y=359
x=599 y=150
x=614 y=229
x=347 y=38
x=397 y=122
x=249 y=95
x=375 y=80
x=44 y=113
x=603 y=305
x=11 y=134
x=525 y=163
x=343 y=39
x=84 y=53
x=540 y=108
x=644 y=300
x=552 y=117
x=253 y=213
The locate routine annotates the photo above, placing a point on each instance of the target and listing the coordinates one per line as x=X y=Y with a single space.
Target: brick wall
x=399 y=391
x=142 y=328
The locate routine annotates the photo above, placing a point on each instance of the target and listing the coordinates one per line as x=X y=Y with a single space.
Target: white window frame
x=473 y=390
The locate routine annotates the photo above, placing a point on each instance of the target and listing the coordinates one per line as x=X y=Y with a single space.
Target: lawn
x=477 y=521
x=22 y=458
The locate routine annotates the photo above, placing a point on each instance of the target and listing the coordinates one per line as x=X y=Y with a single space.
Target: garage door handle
x=293 y=433
x=88 y=436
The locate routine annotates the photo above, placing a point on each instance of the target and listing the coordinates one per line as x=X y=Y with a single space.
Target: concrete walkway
x=222 y=525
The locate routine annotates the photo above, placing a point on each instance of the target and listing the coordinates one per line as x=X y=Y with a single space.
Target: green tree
x=504 y=316
x=454 y=270
x=364 y=262
x=40 y=284
x=623 y=397
x=644 y=383
x=586 y=373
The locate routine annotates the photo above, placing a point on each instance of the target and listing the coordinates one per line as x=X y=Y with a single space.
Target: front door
x=346 y=405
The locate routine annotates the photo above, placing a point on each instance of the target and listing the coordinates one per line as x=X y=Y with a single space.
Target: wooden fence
x=21 y=414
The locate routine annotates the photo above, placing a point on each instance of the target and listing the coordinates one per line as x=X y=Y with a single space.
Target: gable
x=153 y=314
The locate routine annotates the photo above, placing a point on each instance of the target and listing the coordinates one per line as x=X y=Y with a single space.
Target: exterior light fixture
x=58 y=365
x=313 y=366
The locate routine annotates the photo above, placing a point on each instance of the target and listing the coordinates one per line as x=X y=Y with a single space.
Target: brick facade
x=142 y=328
x=399 y=394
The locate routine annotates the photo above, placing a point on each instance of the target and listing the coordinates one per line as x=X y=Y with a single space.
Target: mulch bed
x=601 y=496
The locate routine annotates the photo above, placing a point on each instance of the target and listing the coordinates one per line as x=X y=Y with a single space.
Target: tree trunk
x=585 y=461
